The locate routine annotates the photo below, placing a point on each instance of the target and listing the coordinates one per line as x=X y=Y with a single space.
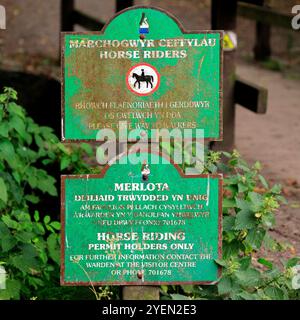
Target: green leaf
x=36 y=216
x=242 y=187
x=39 y=141
x=265 y=263
x=12 y=224
x=245 y=263
x=276 y=189
x=226 y=154
x=25 y=237
x=231 y=249
x=228 y=203
x=4 y=128
x=221 y=262
x=228 y=223
x=23 y=217
x=212 y=168
x=35 y=282
x=242 y=165
x=257 y=166
x=248 y=296
x=164 y=288
x=47 y=132
x=46 y=183
x=8 y=153
x=292 y=262
x=14 y=109
x=243 y=204
x=49 y=228
x=7 y=150
x=263 y=181
x=270 y=243
x=16 y=123
x=3 y=229
x=248 y=278
x=177 y=296
x=31 y=177
x=27 y=260
x=38 y=228
x=256 y=199
x=3 y=98
x=274 y=293
x=12 y=291
x=268 y=219
x=16 y=176
x=224 y=285
x=188 y=288
x=47 y=219
x=231 y=180
x=32 y=198
x=54 y=248
x=62 y=148
x=64 y=163
x=245 y=219
x=8 y=242
x=282 y=199
x=255 y=237
x=3 y=190
x=10 y=93
x=16 y=192
x=55 y=225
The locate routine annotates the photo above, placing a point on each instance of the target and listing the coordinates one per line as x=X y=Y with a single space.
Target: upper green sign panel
x=145 y=71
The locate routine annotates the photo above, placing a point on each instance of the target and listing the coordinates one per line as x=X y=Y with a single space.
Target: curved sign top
x=144 y=69
x=120 y=228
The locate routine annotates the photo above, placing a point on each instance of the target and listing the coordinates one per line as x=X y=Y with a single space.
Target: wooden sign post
x=120 y=228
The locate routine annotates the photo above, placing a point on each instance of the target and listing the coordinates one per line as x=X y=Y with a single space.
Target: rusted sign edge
x=184 y=31
x=101 y=175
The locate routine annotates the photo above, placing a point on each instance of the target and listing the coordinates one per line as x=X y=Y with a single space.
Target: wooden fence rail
x=265 y=17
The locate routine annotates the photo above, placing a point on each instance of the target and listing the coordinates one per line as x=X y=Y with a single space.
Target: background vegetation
x=30 y=239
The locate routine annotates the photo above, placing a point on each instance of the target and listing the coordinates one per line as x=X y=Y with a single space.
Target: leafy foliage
x=28 y=253
x=30 y=242
x=249 y=209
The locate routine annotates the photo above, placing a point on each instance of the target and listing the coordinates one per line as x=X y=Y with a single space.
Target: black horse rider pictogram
x=142 y=78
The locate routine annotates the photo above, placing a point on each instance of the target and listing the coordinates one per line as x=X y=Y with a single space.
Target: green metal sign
x=145 y=70
x=141 y=225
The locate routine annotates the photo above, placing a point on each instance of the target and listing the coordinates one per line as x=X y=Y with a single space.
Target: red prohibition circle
x=143 y=64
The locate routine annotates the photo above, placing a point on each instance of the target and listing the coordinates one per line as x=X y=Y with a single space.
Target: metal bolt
x=145 y=172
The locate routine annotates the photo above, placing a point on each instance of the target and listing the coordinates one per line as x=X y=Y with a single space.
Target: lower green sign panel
x=123 y=227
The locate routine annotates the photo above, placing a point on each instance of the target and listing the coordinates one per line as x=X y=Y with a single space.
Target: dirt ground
x=273 y=138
